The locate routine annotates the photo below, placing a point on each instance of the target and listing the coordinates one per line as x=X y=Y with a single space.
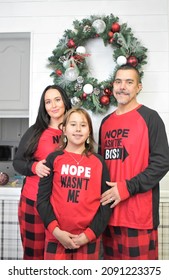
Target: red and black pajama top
x=70 y=196
x=135 y=148
x=48 y=143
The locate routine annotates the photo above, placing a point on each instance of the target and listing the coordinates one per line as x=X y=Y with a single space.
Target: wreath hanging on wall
x=70 y=69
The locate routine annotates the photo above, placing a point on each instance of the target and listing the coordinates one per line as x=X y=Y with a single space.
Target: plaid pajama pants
x=120 y=243
x=55 y=251
x=32 y=230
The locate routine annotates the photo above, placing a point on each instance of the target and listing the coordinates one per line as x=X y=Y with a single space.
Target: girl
x=68 y=198
x=38 y=141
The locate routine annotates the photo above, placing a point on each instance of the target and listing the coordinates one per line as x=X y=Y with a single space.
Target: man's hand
x=111 y=195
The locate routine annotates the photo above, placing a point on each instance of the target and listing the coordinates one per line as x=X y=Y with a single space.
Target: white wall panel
x=58 y=23
x=155 y=41
x=157 y=61
x=56 y=8
x=156 y=82
x=151 y=100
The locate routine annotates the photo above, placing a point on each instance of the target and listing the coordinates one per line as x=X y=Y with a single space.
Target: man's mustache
x=122 y=92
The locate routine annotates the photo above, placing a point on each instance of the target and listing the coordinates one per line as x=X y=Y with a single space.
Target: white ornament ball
x=81 y=50
x=76 y=101
x=88 y=88
x=121 y=60
x=71 y=74
x=99 y=25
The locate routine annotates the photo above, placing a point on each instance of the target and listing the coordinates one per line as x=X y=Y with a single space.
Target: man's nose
x=123 y=85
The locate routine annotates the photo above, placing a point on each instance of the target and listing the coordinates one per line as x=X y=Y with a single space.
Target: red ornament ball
x=84 y=96
x=71 y=43
x=104 y=100
x=4 y=178
x=58 y=72
x=107 y=91
x=115 y=27
x=132 y=60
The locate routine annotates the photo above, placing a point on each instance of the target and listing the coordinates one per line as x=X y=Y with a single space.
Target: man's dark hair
x=128 y=67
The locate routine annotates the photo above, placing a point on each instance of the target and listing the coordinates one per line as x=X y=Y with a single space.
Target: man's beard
x=123 y=102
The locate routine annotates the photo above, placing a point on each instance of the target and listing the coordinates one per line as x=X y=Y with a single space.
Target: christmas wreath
x=70 y=69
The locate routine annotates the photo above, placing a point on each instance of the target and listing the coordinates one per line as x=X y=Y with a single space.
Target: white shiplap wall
x=47 y=20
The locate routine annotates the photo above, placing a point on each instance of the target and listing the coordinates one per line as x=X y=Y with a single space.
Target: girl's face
x=54 y=104
x=76 y=130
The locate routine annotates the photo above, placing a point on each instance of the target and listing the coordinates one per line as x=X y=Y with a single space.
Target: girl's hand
x=65 y=238
x=81 y=239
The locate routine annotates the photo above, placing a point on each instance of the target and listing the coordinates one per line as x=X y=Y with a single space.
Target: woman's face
x=54 y=104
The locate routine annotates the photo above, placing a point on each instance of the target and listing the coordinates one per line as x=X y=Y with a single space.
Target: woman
x=68 y=199
x=38 y=141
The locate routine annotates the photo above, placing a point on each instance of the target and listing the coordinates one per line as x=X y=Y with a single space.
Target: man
x=134 y=144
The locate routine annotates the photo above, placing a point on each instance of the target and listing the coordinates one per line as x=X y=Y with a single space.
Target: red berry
x=110 y=34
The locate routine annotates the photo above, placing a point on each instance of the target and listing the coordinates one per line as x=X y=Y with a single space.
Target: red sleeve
x=123 y=190
x=52 y=226
x=33 y=168
x=90 y=234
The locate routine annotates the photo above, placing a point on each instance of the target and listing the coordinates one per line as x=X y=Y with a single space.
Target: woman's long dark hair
x=43 y=119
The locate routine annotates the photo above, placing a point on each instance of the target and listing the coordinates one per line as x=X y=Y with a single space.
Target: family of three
x=79 y=203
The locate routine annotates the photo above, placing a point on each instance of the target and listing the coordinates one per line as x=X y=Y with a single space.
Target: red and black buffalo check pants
x=32 y=230
x=121 y=243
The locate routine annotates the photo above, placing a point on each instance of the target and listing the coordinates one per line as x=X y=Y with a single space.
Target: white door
x=14 y=74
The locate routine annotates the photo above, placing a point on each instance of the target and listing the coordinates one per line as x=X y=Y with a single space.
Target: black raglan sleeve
x=20 y=163
x=159 y=155
x=103 y=214
x=44 y=206
x=100 y=132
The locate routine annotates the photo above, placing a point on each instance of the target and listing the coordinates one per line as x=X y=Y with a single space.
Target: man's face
x=126 y=86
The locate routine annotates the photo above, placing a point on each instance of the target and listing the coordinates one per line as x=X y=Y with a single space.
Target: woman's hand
x=41 y=169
